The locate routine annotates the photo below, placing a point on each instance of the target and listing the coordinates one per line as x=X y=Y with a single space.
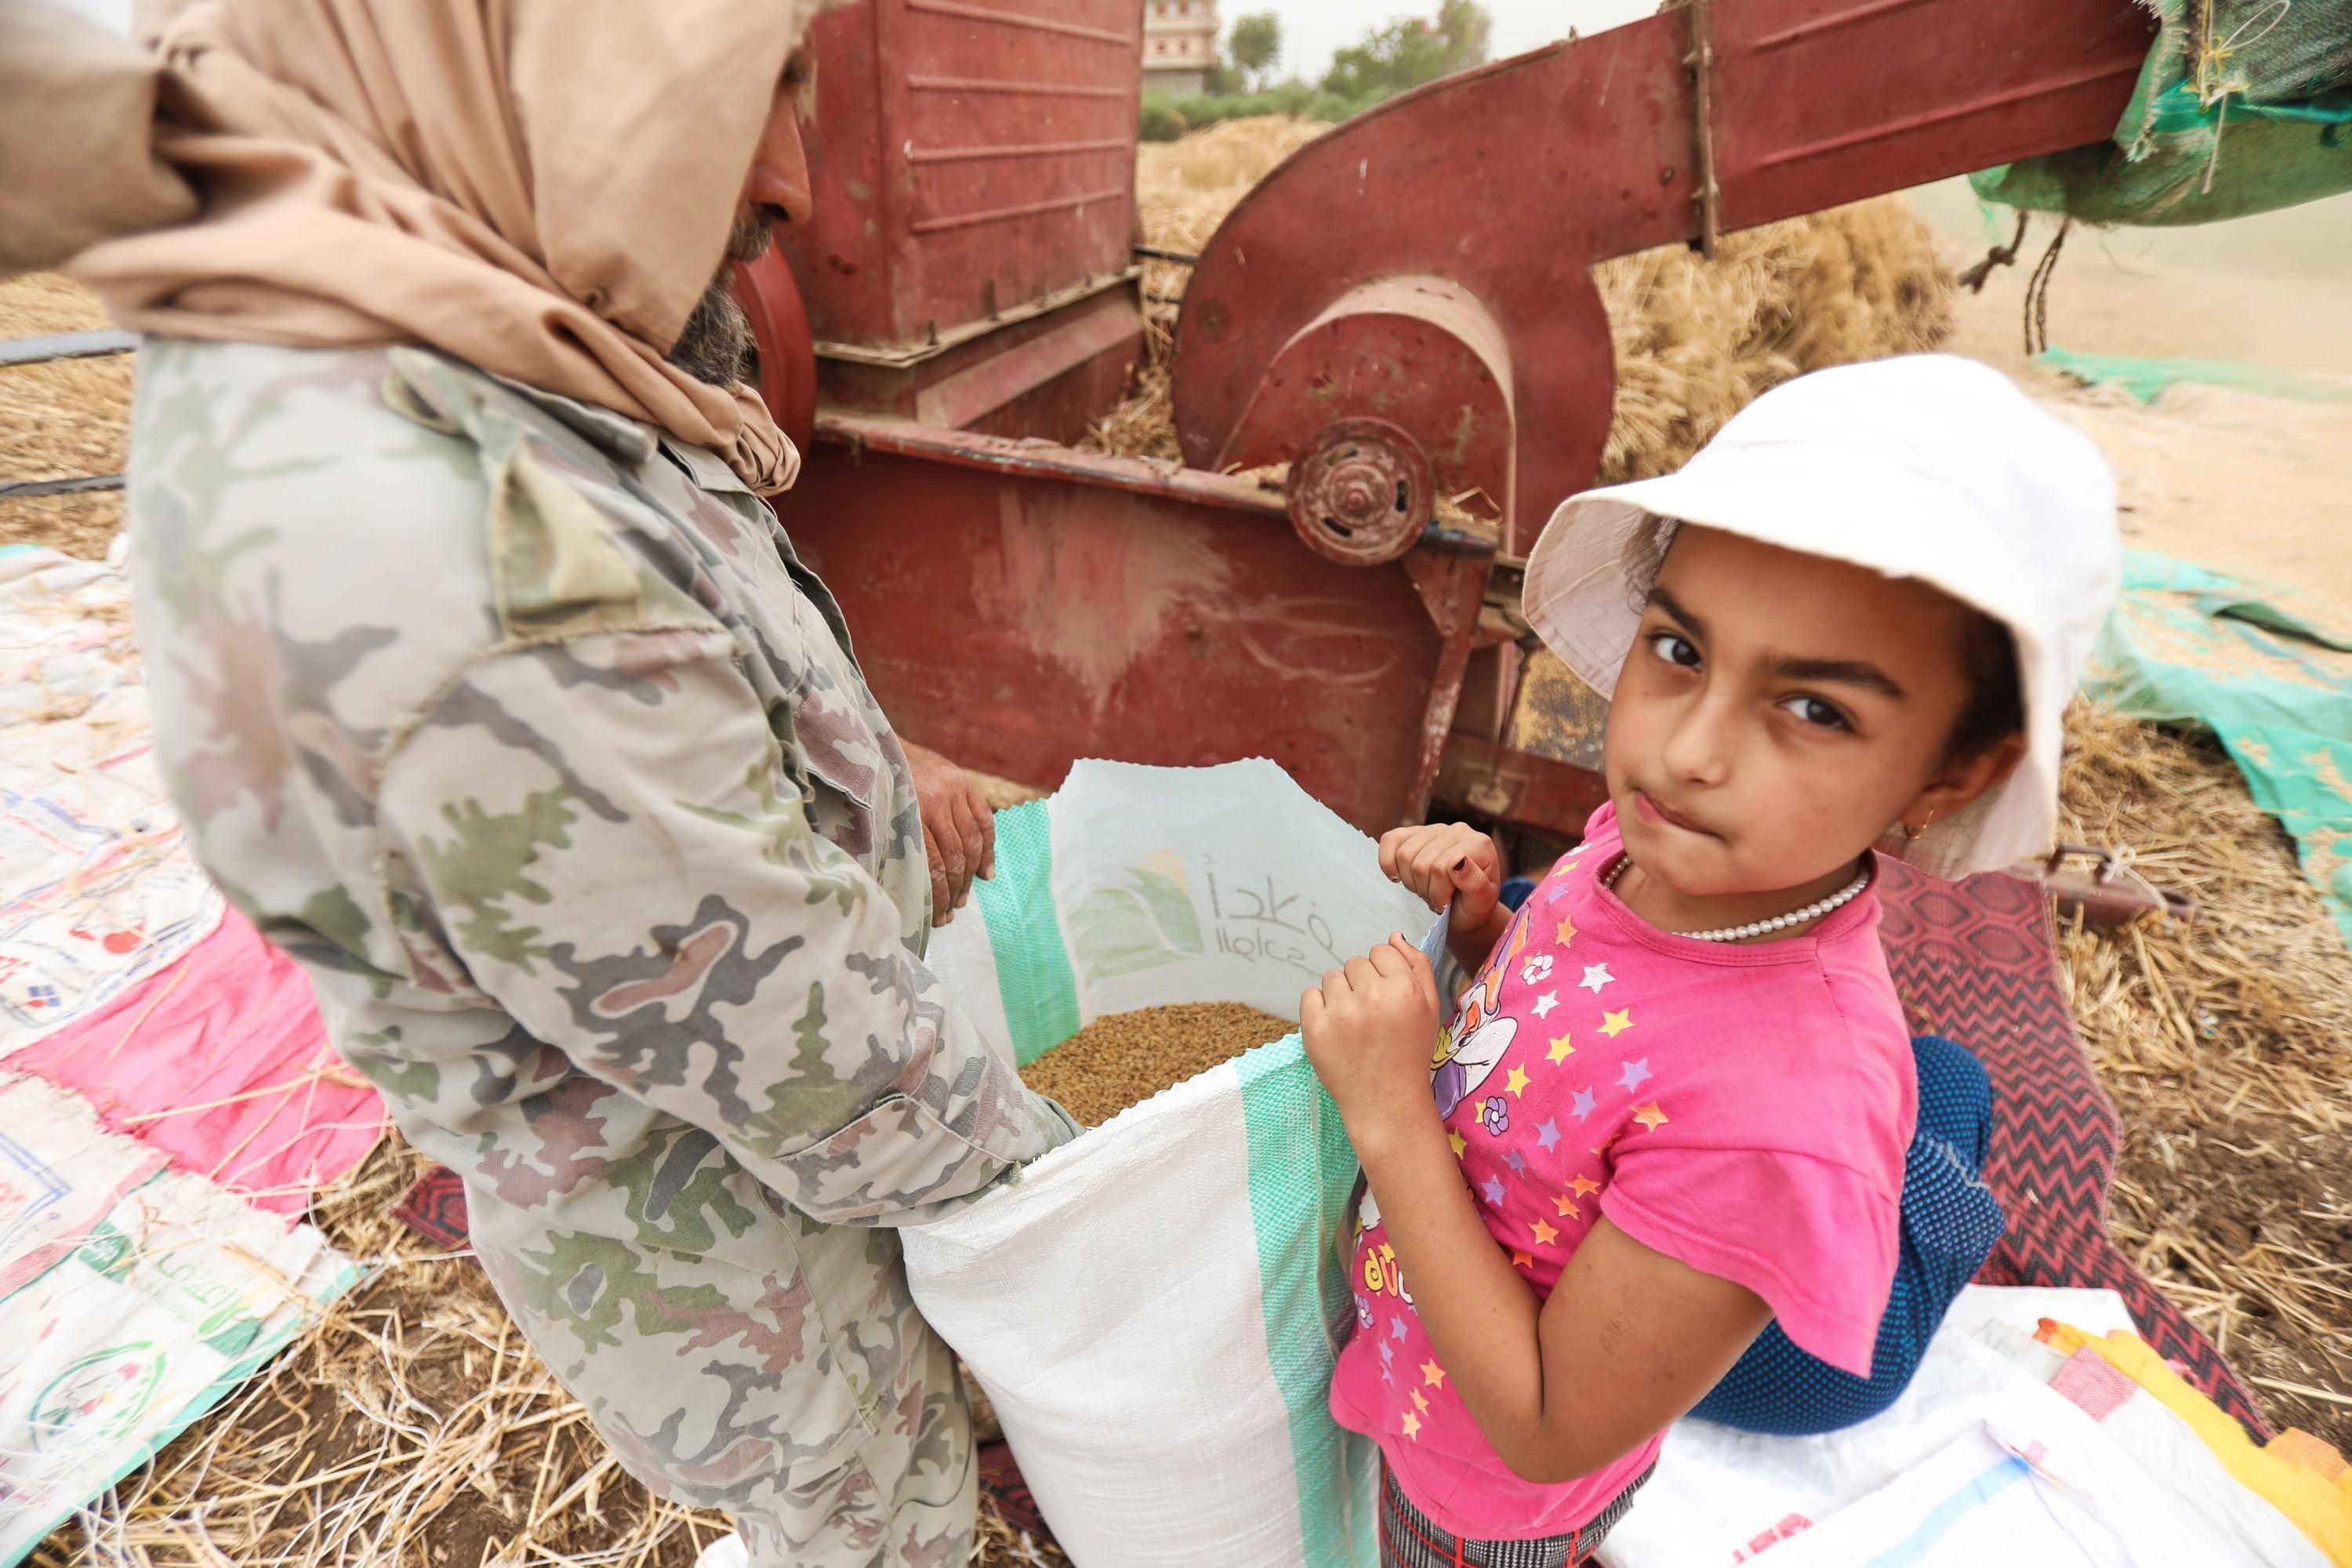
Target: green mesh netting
x=2242 y=106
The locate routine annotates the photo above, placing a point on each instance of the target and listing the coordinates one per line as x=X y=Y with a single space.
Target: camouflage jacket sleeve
x=606 y=834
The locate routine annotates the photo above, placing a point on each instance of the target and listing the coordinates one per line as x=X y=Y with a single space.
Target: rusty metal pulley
x=1363 y=494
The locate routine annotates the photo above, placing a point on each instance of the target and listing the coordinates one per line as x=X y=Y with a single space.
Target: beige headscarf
x=542 y=188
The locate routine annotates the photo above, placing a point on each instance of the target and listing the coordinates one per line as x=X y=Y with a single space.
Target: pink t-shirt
x=1745 y=1109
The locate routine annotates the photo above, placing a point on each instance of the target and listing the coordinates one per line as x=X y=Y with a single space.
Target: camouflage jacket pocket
x=893 y=1160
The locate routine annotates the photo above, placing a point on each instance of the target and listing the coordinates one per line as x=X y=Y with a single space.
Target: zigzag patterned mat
x=1975 y=961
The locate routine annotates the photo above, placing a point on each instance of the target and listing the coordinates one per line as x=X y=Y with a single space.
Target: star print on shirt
x=1396 y=1328
x=1517 y=1161
x=1493 y=1187
x=1545 y=1003
x=1583 y=1103
x=1413 y=1426
x=1388 y=1352
x=1650 y=1117
x=1432 y=1374
x=1637 y=1073
x=1548 y=1132
x=1596 y=976
x=1583 y=1186
x=1516 y=1082
x=1615 y=1024
x=1423 y=1402
x=1565 y=1209
x=1455 y=1139
x=1520 y=1259
x=1545 y=1234
x=1561 y=1050
x=1565 y=933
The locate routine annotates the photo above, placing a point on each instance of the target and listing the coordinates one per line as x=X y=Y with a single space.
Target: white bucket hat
x=1929 y=467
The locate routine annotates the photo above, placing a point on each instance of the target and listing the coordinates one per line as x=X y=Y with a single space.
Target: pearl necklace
x=1813 y=911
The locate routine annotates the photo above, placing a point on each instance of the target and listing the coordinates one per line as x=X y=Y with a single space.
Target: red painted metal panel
x=1512 y=180
x=1051 y=376
x=968 y=157
x=1823 y=101
x=1019 y=611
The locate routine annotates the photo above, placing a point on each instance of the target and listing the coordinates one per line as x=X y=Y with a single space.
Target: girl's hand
x=1370 y=1030
x=1447 y=863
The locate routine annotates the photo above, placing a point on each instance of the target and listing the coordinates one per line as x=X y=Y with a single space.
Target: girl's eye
x=1674 y=649
x=1813 y=711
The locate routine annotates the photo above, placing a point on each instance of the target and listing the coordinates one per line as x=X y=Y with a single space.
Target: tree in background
x=1255 y=45
x=1411 y=51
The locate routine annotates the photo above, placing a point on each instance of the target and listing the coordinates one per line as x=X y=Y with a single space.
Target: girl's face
x=1779 y=712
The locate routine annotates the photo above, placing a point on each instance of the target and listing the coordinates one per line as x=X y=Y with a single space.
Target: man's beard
x=716 y=343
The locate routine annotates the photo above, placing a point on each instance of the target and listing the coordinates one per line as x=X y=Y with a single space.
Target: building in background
x=1180 y=44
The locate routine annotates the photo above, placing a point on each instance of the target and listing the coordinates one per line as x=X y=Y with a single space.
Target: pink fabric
x=1743 y=1109
x=221 y=1062
x=2092 y=1382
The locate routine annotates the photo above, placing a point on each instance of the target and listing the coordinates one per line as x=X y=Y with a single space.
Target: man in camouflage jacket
x=521 y=725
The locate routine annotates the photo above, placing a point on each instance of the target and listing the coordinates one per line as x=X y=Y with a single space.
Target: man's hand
x=1370 y=1030
x=959 y=829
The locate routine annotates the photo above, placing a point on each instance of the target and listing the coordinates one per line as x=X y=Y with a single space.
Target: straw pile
x=2227 y=1044
x=1695 y=341
x=60 y=420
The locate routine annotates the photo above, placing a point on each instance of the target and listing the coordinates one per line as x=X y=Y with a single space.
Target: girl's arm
x=1629 y=1340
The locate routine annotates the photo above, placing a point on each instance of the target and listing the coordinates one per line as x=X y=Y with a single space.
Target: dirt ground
x=2232 y=481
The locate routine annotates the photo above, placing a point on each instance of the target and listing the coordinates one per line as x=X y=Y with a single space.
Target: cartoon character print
x=1379 y=1273
x=1478 y=1038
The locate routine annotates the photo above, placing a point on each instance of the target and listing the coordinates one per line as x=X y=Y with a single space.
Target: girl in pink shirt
x=1676 y=1103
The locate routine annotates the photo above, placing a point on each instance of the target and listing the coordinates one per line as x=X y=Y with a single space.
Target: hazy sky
x=1311 y=29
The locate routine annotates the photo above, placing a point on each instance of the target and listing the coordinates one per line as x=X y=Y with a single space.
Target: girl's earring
x=1910 y=832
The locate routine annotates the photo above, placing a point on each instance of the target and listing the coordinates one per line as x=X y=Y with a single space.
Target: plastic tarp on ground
x=178 y=1295
x=2242 y=106
x=96 y=890
x=149 y=1041
x=222 y=1062
x=2190 y=646
x=60 y=1174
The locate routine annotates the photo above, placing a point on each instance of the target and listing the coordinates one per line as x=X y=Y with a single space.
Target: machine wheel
x=1363 y=494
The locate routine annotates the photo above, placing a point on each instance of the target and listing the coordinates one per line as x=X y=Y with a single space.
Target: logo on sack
x=1146 y=922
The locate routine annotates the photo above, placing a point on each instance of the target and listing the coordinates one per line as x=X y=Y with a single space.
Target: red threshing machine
x=1402 y=311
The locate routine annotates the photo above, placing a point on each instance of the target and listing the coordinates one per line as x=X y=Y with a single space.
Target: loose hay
x=1695 y=341
x=1123 y=1058
x=2228 y=1046
x=60 y=420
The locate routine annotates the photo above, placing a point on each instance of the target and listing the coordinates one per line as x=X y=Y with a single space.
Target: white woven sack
x=1154 y=1309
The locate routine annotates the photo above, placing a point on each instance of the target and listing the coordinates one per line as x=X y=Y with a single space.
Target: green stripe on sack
x=1033 y=966
x=1302 y=1172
